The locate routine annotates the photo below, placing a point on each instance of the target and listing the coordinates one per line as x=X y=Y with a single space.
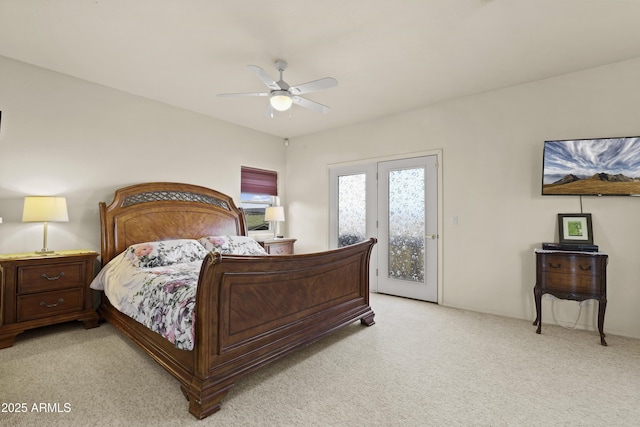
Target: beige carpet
x=419 y=365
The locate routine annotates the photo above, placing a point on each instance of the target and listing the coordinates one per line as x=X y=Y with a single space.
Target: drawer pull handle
x=44 y=276
x=42 y=303
x=585 y=267
x=554 y=266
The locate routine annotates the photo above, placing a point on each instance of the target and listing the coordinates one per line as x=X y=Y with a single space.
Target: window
x=254 y=206
x=258 y=191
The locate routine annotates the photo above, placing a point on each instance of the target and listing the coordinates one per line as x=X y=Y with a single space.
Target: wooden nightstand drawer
x=569 y=265
x=47 y=304
x=278 y=246
x=49 y=277
x=279 y=249
x=578 y=283
x=570 y=273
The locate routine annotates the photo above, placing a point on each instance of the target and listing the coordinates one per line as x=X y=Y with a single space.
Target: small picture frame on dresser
x=575 y=228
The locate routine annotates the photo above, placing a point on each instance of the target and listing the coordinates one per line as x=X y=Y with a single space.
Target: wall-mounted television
x=592 y=167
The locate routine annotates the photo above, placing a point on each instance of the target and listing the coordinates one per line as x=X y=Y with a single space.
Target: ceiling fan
x=282 y=96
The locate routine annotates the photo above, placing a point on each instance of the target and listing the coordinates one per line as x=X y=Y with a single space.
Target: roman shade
x=258 y=181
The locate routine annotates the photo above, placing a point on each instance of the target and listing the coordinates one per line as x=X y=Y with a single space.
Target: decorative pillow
x=232 y=245
x=166 y=252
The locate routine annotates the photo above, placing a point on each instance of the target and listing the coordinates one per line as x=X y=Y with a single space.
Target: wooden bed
x=250 y=310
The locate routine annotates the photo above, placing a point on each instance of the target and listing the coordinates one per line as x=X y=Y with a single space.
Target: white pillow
x=166 y=252
x=232 y=245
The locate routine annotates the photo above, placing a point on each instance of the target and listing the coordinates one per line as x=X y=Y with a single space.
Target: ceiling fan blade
x=262 y=75
x=312 y=105
x=321 y=84
x=243 y=94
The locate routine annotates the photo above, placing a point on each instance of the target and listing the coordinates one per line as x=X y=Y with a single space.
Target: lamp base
x=44 y=251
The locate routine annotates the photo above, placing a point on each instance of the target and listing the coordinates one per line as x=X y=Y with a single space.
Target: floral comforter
x=155 y=283
x=161 y=298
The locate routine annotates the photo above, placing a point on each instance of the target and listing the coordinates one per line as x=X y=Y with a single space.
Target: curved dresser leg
x=537 y=295
x=602 y=307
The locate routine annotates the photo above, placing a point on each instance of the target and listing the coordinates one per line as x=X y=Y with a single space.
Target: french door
x=397 y=202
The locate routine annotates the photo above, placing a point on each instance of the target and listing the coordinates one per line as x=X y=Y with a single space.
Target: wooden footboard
x=259 y=309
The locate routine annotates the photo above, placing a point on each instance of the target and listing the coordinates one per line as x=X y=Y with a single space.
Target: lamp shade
x=45 y=209
x=280 y=100
x=274 y=213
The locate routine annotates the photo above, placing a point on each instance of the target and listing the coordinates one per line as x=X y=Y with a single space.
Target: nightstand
x=41 y=290
x=278 y=246
x=576 y=276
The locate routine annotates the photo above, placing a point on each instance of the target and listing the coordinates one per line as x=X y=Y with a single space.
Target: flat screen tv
x=592 y=167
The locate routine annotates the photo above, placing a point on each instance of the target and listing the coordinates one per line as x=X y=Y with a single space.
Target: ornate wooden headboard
x=164 y=210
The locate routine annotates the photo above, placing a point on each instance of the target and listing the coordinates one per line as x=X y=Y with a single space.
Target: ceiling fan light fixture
x=280 y=100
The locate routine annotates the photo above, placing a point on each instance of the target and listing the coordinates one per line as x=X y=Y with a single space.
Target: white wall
x=64 y=136
x=492 y=159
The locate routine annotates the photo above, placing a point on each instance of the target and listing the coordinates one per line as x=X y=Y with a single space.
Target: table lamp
x=274 y=214
x=45 y=209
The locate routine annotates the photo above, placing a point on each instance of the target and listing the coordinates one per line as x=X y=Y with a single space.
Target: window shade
x=258 y=181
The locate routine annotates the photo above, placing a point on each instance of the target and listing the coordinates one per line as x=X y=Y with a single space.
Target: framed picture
x=575 y=228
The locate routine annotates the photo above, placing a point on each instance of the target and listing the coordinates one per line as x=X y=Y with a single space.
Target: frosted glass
x=352 y=209
x=406 y=224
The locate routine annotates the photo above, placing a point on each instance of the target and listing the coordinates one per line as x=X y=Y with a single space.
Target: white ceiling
x=388 y=56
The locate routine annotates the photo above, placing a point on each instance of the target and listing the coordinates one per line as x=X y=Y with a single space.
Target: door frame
x=440 y=210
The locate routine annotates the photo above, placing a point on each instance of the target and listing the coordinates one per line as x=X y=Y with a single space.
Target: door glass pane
x=352 y=209
x=406 y=224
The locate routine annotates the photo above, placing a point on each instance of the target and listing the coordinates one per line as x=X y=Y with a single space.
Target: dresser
x=278 y=246
x=576 y=276
x=40 y=290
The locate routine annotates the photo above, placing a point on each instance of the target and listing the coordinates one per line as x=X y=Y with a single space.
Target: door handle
x=431 y=236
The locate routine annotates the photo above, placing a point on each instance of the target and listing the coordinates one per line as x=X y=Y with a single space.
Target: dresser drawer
x=557 y=264
x=45 y=304
x=278 y=246
x=571 y=273
x=280 y=249
x=573 y=283
x=49 y=277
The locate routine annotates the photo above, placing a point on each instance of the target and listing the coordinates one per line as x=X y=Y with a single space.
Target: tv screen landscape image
x=592 y=167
